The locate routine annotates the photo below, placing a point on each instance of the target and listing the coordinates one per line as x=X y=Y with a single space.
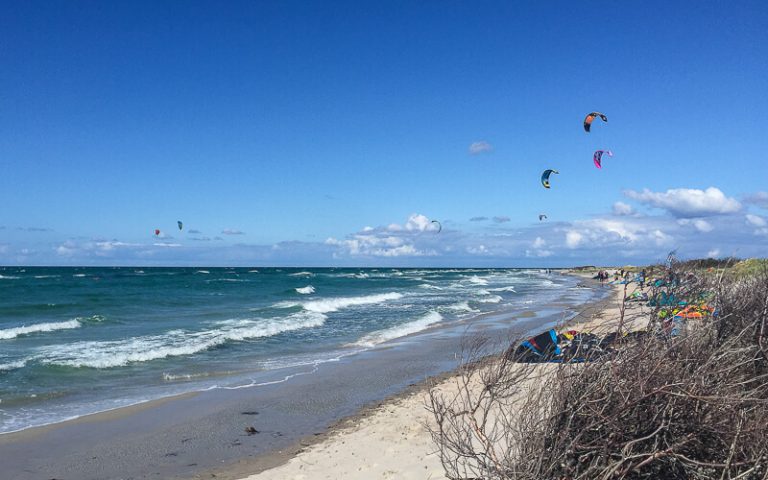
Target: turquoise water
x=80 y=340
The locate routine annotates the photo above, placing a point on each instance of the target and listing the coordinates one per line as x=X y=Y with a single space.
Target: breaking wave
x=375 y=338
x=9 y=333
x=306 y=290
x=106 y=354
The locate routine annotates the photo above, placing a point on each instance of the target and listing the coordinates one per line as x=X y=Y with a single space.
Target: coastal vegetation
x=685 y=397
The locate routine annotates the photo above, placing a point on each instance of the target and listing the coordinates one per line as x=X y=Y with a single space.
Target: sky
x=291 y=133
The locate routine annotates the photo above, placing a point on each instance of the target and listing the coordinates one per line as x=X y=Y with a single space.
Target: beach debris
x=250 y=412
x=545 y=177
x=250 y=430
x=590 y=117
x=598 y=157
x=439 y=226
x=542 y=216
x=180 y=224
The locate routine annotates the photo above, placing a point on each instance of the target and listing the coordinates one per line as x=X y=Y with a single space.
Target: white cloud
x=699 y=224
x=688 y=202
x=113 y=244
x=539 y=249
x=714 y=253
x=417 y=222
x=621 y=208
x=756 y=221
x=501 y=219
x=573 y=239
x=394 y=240
x=232 y=231
x=478 y=219
x=478 y=250
x=479 y=147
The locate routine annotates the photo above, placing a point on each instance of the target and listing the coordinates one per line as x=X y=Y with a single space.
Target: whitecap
x=9 y=333
x=474 y=279
x=374 y=338
x=488 y=299
x=334 y=304
x=117 y=353
x=503 y=289
x=13 y=365
x=306 y=290
x=301 y=274
x=461 y=307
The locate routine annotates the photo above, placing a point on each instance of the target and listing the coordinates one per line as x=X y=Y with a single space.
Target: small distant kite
x=589 y=118
x=542 y=217
x=598 y=157
x=439 y=226
x=545 y=177
x=180 y=224
x=157 y=232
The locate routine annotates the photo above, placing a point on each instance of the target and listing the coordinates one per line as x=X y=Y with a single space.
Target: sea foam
x=9 y=333
x=335 y=304
x=306 y=290
x=374 y=338
x=106 y=354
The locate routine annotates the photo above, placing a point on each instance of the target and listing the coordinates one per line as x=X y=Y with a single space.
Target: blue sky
x=332 y=133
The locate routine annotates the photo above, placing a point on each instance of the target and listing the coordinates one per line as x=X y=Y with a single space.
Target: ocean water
x=75 y=341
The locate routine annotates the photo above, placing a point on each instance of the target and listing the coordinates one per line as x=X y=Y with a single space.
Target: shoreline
x=310 y=457
x=179 y=435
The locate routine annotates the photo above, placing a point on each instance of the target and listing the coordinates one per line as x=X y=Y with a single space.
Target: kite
x=157 y=231
x=181 y=225
x=598 y=157
x=589 y=118
x=545 y=177
x=439 y=226
x=542 y=217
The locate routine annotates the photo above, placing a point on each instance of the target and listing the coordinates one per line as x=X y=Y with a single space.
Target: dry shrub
x=694 y=406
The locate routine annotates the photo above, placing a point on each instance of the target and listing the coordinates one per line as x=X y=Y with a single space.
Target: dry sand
x=392 y=442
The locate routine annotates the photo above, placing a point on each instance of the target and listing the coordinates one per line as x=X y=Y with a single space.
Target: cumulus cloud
x=417 y=222
x=479 y=147
x=714 y=253
x=759 y=222
x=232 y=231
x=478 y=219
x=756 y=221
x=621 y=208
x=573 y=239
x=698 y=223
x=501 y=219
x=688 y=202
x=393 y=240
x=539 y=249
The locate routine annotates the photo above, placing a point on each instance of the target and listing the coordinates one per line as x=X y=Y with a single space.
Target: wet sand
x=392 y=441
x=199 y=435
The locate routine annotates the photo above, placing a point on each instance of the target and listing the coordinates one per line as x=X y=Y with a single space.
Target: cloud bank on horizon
x=697 y=223
x=339 y=140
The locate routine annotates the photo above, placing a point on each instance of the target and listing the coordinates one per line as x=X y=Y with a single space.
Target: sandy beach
x=392 y=441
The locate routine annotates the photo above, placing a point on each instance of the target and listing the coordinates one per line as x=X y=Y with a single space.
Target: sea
x=75 y=341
